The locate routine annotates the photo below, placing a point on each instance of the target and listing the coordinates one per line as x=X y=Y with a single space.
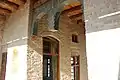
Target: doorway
x=50 y=58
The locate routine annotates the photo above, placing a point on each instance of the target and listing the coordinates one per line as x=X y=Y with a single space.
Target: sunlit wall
x=16 y=68
x=103 y=51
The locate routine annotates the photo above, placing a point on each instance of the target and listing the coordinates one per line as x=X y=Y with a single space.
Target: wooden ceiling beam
x=75 y=16
x=71 y=9
x=9 y=6
x=74 y=4
x=18 y=2
x=74 y=12
x=4 y=11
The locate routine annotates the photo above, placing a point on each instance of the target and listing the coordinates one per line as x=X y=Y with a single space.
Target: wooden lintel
x=18 y=2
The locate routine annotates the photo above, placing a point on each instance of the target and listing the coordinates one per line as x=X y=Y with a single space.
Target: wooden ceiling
x=7 y=7
x=74 y=12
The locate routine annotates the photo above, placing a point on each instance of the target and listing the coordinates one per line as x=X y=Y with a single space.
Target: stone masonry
x=67 y=48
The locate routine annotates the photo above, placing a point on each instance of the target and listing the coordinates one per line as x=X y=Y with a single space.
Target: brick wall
x=67 y=48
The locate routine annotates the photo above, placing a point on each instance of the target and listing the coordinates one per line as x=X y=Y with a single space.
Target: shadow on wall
x=102 y=24
x=101 y=15
x=14 y=42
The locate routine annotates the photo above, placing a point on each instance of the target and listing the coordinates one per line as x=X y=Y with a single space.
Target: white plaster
x=103 y=53
x=21 y=73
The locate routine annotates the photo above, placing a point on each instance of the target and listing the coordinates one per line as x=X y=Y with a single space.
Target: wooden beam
x=75 y=16
x=71 y=9
x=18 y=2
x=74 y=12
x=8 y=5
x=4 y=11
x=73 y=4
x=39 y=2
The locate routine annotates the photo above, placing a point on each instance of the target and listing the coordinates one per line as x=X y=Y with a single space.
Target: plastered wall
x=15 y=43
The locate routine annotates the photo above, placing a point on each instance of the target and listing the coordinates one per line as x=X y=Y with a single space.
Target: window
x=75 y=67
x=35 y=28
x=50 y=59
x=74 y=38
x=57 y=17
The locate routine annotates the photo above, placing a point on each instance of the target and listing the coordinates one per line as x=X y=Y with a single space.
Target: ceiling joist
x=71 y=9
x=74 y=4
x=74 y=12
x=18 y=2
x=4 y=11
x=8 y=5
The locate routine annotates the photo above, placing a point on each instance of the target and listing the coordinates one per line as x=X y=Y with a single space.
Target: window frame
x=75 y=66
x=74 y=38
x=52 y=54
x=35 y=28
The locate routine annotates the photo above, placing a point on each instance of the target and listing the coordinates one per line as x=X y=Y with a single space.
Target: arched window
x=35 y=28
x=57 y=17
x=50 y=59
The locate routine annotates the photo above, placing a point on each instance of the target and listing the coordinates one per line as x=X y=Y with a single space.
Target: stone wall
x=67 y=48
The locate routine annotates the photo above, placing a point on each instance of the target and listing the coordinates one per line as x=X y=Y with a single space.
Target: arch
x=36 y=22
x=40 y=15
x=54 y=37
x=51 y=39
x=53 y=14
x=50 y=58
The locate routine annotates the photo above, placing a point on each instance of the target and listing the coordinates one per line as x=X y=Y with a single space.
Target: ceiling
x=74 y=12
x=7 y=7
